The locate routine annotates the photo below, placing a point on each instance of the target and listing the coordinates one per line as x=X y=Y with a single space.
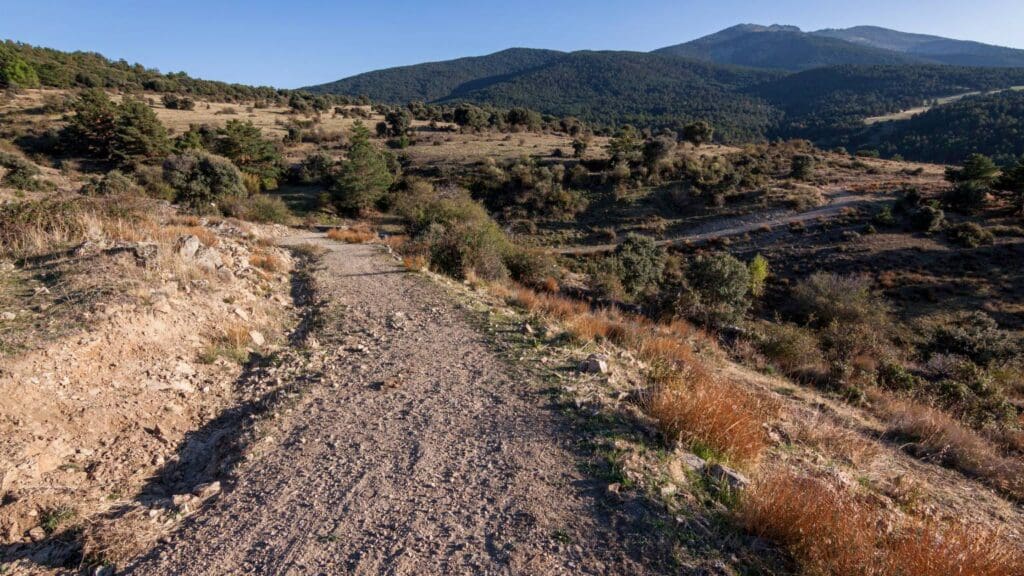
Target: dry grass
x=835 y=441
x=830 y=532
x=268 y=261
x=32 y=228
x=416 y=262
x=687 y=403
x=940 y=437
x=232 y=344
x=357 y=234
x=695 y=408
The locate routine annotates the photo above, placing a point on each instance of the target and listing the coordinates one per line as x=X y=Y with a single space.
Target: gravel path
x=735 y=226
x=419 y=455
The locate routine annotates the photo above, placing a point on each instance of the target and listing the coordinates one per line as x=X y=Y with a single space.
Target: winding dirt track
x=838 y=201
x=419 y=455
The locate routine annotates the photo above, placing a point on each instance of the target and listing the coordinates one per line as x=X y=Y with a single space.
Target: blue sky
x=302 y=42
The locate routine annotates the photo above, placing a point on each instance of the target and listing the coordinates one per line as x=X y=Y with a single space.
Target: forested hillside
x=437 y=80
x=824 y=105
x=991 y=124
x=38 y=66
x=644 y=89
x=782 y=48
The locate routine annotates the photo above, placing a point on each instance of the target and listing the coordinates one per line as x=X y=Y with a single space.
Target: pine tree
x=363 y=176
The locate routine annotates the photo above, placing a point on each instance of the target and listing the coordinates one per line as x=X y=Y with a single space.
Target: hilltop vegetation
x=782 y=48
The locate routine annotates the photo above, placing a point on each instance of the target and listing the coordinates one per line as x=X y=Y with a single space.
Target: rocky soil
x=417 y=453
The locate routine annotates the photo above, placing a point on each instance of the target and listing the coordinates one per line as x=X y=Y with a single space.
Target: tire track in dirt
x=419 y=455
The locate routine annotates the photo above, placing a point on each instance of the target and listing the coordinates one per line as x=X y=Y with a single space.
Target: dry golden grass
x=416 y=262
x=206 y=236
x=357 y=234
x=943 y=438
x=836 y=442
x=699 y=410
x=686 y=402
x=268 y=262
x=830 y=532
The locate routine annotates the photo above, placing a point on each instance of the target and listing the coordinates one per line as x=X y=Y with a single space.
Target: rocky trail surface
x=418 y=453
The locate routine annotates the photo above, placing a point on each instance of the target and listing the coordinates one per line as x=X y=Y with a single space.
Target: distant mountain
x=932 y=48
x=782 y=48
x=435 y=80
x=752 y=82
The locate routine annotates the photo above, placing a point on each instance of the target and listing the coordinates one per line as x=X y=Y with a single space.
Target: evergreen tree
x=138 y=134
x=363 y=175
x=244 y=144
x=15 y=72
x=699 y=132
x=1012 y=182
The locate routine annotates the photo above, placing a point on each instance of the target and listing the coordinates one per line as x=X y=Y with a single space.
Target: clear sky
x=292 y=43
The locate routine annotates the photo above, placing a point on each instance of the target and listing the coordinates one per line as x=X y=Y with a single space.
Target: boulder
x=595 y=364
x=187 y=246
x=725 y=475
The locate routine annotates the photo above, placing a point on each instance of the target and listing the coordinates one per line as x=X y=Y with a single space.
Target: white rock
x=595 y=364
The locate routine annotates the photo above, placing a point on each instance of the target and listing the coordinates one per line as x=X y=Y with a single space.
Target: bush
x=927 y=219
x=123 y=133
x=21 y=174
x=532 y=268
x=314 y=169
x=640 y=263
x=175 y=102
x=363 y=176
x=256 y=208
x=790 y=348
x=718 y=288
x=202 y=180
x=243 y=143
x=967 y=197
x=824 y=298
x=759 y=272
x=151 y=179
x=974 y=335
x=113 y=183
x=802 y=167
x=970 y=235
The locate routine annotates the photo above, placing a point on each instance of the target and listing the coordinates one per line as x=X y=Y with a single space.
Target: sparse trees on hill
x=467 y=116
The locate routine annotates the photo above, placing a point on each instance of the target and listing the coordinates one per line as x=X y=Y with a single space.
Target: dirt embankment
x=96 y=412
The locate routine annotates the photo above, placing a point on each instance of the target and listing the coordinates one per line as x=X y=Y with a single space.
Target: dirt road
x=419 y=455
x=741 y=224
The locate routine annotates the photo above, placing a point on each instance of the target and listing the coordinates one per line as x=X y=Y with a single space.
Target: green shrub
x=256 y=208
x=175 y=102
x=824 y=298
x=123 y=133
x=531 y=267
x=21 y=174
x=363 y=176
x=717 y=288
x=968 y=197
x=759 y=272
x=790 y=348
x=884 y=217
x=974 y=335
x=927 y=219
x=802 y=166
x=242 y=142
x=201 y=180
x=640 y=263
x=151 y=179
x=893 y=376
x=463 y=248
x=314 y=169
x=113 y=183
x=970 y=235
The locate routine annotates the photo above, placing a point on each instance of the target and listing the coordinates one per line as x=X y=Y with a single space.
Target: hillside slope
x=927 y=47
x=435 y=80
